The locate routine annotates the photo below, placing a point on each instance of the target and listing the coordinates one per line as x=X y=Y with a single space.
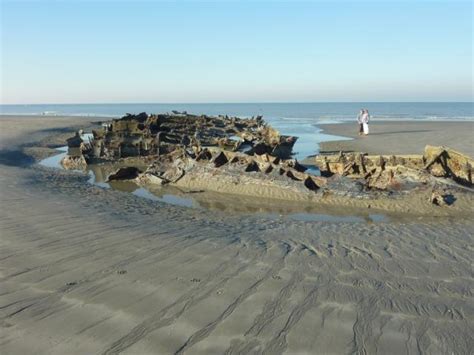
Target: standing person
x=365 y=118
x=359 y=121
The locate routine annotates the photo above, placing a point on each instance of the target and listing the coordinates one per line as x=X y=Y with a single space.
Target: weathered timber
x=382 y=171
x=446 y=162
x=172 y=167
x=143 y=135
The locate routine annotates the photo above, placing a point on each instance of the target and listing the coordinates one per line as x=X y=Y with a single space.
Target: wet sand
x=99 y=271
x=402 y=137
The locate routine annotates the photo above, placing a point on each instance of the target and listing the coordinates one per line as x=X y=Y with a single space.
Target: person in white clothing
x=365 y=118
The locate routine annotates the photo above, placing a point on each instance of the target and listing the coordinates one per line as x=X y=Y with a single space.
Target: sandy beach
x=402 y=137
x=88 y=270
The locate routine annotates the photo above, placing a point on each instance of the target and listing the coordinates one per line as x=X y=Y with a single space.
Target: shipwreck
x=203 y=148
x=248 y=156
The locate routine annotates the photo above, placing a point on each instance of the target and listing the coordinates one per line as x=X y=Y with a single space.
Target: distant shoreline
x=322 y=122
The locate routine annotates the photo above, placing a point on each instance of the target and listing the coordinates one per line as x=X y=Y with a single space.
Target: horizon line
x=228 y=103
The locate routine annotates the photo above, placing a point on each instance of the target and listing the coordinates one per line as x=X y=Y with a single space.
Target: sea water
x=318 y=112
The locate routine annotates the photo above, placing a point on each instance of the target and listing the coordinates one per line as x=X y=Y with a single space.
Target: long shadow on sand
x=15 y=158
x=398 y=132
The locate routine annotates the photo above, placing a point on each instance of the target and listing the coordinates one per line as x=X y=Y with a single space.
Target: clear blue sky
x=235 y=51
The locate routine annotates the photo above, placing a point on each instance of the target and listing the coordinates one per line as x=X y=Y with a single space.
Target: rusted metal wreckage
x=382 y=170
x=142 y=135
x=180 y=144
x=395 y=172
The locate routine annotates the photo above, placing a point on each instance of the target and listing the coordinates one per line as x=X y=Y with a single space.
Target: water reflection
x=55 y=160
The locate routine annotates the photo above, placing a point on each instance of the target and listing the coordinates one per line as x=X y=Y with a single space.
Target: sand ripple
x=87 y=270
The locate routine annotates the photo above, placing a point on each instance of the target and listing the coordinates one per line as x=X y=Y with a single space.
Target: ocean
x=330 y=112
x=298 y=119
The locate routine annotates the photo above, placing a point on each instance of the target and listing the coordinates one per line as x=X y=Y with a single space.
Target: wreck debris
x=446 y=162
x=76 y=141
x=359 y=164
x=385 y=171
x=74 y=162
x=142 y=135
x=148 y=178
x=225 y=163
x=173 y=174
